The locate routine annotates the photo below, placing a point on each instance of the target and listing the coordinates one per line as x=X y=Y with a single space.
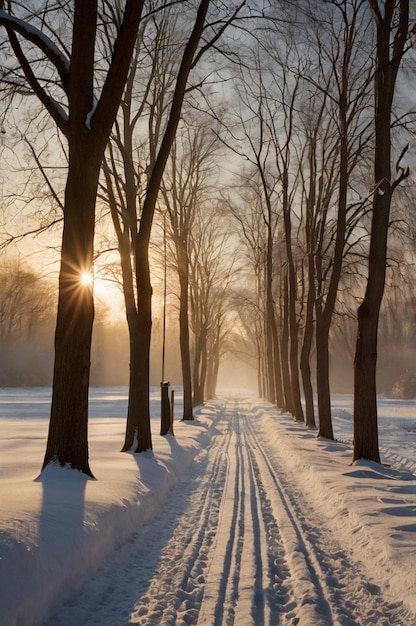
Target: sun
x=86 y=279
x=106 y=293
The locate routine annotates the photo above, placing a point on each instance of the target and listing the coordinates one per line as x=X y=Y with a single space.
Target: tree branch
x=41 y=41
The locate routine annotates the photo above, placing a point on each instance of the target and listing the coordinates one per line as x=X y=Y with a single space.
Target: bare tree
x=85 y=119
x=211 y=275
x=391 y=19
x=245 y=208
x=26 y=324
x=203 y=37
x=250 y=139
x=186 y=190
x=130 y=157
x=348 y=74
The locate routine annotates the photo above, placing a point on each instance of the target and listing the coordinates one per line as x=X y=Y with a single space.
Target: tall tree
x=253 y=143
x=85 y=118
x=391 y=19
x=130 y=157
x=252 y=238
x=185 y=188
x=211 y=276
x=138 y=425
x=345 y=88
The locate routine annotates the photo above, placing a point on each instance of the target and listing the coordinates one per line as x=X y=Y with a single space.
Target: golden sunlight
x=86 y=279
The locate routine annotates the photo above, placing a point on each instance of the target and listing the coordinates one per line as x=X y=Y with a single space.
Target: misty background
x=27 y=325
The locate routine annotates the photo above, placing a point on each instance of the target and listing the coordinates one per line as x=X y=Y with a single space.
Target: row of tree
x=83 y=78
x=312 y=220
x=144 y=95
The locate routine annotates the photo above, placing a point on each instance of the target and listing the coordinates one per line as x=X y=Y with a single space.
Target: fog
x=30 y=362
x=27 y=325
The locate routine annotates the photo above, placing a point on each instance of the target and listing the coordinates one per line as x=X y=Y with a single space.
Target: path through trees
x=236 y=543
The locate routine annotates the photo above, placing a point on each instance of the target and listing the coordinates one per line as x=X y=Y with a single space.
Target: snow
x=90 y=115
x=244 y=517
x=34 y=34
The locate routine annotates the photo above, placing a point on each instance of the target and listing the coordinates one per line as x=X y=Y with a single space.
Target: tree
x=391 y=19
x=85 y=119
x=26 y=325
x=195 y=48
x=134 y=427
x=210 y=279
x=343 y=88
x=278 y=92
x=184 y=190
x=253 y=143
x=131 y=155
x=245 y=210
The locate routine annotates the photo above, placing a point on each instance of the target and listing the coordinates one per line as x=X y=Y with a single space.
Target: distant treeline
x=27 y=326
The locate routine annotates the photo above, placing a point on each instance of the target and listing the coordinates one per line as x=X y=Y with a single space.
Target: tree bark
x=277 y=372
x=198 y=397
x=293 y=326
x=284 y=355
x=271 y=392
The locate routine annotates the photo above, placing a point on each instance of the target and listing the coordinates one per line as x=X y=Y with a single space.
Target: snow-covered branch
x=14 y=25
x=41 y=41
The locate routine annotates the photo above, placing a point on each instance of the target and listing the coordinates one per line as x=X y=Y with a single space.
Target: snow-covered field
x=244 y=517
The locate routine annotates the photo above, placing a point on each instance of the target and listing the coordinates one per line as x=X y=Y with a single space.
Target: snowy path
x=236 y=543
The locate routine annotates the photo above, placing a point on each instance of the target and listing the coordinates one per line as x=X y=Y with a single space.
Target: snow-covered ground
x=244 y=517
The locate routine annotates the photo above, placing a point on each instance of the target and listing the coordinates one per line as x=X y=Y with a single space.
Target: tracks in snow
x=236 y=544
x=274 y=561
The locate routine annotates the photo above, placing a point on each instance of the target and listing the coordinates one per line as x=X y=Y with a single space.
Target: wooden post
x=172 y=402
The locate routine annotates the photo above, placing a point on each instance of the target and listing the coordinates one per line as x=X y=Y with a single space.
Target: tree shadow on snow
x=61 y=520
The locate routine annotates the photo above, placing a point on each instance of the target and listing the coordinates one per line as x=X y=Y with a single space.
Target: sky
x=244 y=515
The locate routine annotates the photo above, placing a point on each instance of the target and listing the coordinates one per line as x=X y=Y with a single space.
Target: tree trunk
x=197 y=385
x=204 y=364
x=305 y=367
x=271 y=395
x=365 y=398
x=215 y=367
x=388 y=62
x=277 y=366
x=293 y=326
x=184 y=336
x=134 y=400
x=271 y=391
x=67 y=439
x=138 y=434
x=213 y=363
x=322 y=377
x=284 y=355
x=260 y=368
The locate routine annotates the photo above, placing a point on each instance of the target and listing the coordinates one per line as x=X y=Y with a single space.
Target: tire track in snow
x=241 y=585
x=175 y=591
x=320 y=597
x=305 y=589
x=265 y=567
x=229 y=586
x=271 y=563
